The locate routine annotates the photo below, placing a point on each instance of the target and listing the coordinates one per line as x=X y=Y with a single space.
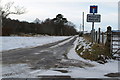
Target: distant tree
x=60 y=21
x=37 y=21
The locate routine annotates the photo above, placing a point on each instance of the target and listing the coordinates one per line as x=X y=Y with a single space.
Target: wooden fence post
x=108 y=42
x=99 y=36
x=91 y=34
x=96 y=36
x=102 y=38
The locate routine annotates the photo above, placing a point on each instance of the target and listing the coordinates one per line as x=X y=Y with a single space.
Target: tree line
x=58 y=26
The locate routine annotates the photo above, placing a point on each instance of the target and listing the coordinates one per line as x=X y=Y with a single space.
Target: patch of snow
x=0 y=65
x=23 y=71
x=43 y=59
x=52 y=73
x=94 y=72
x=43 y=51
x=116 y=54
x=36 y=53
x=16 y=71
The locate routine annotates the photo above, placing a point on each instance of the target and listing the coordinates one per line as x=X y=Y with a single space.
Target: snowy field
x=8 y=43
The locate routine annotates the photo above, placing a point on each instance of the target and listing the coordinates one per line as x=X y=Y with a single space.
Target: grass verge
x=96 y=52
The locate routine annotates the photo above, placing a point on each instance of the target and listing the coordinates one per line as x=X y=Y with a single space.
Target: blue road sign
x=93 y=9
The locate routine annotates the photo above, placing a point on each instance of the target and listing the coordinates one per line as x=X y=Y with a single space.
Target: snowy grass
x=72 y=53
x=8 y=43
x=95 y=52
x=98 y=71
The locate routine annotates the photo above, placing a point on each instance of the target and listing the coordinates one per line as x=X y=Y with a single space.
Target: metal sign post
x=83 y=23
x=93 y=31
x=93 y=9
x=93 y=18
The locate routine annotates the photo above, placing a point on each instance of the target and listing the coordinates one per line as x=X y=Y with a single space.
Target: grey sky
x=71 y=9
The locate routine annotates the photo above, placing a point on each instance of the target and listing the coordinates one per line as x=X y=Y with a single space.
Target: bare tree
x=0 y=18
x=9 y=8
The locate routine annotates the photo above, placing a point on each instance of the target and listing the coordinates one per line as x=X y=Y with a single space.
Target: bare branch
x=6 y=10
x=20 y=10
x=8 y=6
x=0 y=6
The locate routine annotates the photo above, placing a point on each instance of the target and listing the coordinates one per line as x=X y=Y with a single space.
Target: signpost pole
x=93 y=30
x=93 y=18
x=83 y=23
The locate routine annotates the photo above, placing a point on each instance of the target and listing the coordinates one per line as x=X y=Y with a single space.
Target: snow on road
x=72 y=54
x=62 y=43
x=9 y=43
x=95 y=72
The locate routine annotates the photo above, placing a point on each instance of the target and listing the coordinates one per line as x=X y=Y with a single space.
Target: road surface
x=47 y=56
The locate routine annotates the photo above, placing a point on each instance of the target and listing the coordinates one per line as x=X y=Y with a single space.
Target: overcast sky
x=71 y=9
